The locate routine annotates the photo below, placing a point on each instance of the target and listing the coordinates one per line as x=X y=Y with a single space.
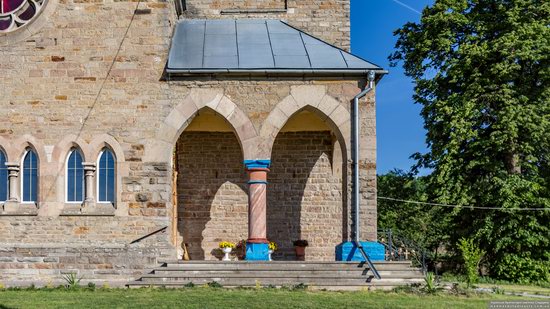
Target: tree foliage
x=416 y=222
x=482 y=75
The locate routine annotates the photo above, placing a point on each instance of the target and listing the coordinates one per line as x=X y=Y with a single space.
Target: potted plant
x=240 y=249
x=226 y=248
x=272 y=247
x=300 y=249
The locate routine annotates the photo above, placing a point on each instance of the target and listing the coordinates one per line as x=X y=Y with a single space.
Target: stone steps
x=282 y=266
x=277 y=273
x=329 y=275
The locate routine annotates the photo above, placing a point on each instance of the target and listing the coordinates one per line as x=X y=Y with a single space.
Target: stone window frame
x=37 y=6
x=17 y=149
x=98 y=173
x=67 y=171
x=28 y=151
x=91 y=206
x=43 y=18
x=6 y=185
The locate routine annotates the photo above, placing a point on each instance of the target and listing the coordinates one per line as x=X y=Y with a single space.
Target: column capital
x=257 y=164
x=13 y=166
x=88 y=166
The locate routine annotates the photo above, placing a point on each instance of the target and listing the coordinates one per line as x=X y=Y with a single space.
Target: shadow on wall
x=212 y=198
x=304 y=196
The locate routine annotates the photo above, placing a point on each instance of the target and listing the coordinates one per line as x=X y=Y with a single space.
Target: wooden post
x=175 y=197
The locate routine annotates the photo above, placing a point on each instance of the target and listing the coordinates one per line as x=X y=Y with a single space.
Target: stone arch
x=5 y=147
x=315 y=100
x=105 y=141
x=62 y=149
x=97 y=144
x=181 y=116
x=20 y=147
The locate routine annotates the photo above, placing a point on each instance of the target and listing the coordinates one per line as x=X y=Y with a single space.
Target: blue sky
x=399 y=125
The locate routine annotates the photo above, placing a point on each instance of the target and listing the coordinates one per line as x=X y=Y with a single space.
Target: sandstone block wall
x=305 y=196
x=212 y=192
x=58 y=91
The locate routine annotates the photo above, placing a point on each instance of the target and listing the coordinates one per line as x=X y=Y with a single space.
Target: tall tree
x=482 y=74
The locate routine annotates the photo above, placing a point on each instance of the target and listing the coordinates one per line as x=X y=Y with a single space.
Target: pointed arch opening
x=307 y=186
x=211 y=190
x=106 y=176
x=74 y=171
x=4 y=185
x=29 y=178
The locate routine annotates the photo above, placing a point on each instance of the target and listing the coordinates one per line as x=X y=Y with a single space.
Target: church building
x=133 y=132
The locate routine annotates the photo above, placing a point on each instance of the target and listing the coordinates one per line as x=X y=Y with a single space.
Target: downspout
x=355 y=180
x=355 y=153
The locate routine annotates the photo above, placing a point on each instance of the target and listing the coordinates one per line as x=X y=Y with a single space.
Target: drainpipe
x=355 y=152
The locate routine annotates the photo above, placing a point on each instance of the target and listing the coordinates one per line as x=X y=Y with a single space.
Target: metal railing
x=367 y=259
x=149 y=235
x=400 y=248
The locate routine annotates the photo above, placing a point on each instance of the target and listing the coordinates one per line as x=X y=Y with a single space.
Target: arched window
x=29 y=180
x=3 y=177
x=75 y=177
x=106 y=177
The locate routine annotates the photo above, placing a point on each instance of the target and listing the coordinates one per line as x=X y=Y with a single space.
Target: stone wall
x=89 y=74
x=327 y=20
x=305 y=196
x=212 y=192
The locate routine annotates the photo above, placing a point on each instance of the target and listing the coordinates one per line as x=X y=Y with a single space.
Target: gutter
x=355 y=164
x=329 y=72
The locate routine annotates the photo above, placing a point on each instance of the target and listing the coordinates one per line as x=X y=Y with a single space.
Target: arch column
x=13 y=176
x=89 y=173
x=257 y=243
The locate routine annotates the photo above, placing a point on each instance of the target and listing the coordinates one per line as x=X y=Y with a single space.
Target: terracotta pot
x=300 y=253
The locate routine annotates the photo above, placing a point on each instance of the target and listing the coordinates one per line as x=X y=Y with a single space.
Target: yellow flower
x=226 y=244
x=272 y=246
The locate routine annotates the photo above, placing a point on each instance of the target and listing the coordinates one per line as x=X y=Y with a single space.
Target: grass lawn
x=517 y=288
x=202 y=297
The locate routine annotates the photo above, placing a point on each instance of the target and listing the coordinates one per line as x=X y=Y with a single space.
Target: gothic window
x=106 y=177
x=3 y=177
x=16 y=13
x=75 y=177
x=29 y=180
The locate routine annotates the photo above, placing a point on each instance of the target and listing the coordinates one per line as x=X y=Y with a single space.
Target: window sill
x=15 y=208
x=88 y=209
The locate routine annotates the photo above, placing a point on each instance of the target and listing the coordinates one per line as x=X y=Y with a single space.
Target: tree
x=482 y=75
x=416 y=222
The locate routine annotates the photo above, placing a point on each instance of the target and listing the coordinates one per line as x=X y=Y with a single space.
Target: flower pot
x=269 y=252
x=226 y=252
x=300 y=253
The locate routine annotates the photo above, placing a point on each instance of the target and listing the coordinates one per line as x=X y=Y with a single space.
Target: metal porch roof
x=256 y=45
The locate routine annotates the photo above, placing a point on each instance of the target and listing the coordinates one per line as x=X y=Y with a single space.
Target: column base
x=348 y=251
x=257 y=251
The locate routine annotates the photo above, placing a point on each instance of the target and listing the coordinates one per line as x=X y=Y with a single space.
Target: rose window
x=16 y=13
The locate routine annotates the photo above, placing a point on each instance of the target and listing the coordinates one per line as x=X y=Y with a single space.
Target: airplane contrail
x=407 y=6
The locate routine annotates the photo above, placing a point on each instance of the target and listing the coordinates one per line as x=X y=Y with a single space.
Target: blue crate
x=347 y=251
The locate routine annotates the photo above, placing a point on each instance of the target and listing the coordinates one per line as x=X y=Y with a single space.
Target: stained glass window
x=75 y=177
x=106 y=177
x=16 y=13
x=3 y=178
x=30 y=177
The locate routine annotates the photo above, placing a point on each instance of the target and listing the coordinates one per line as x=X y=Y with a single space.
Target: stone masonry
x=88 y=75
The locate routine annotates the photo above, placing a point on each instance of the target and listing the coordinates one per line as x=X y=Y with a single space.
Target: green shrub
x=214 y=284
x=430 y=284
x=72 y=280
x=471 y=254
x=522 y=269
